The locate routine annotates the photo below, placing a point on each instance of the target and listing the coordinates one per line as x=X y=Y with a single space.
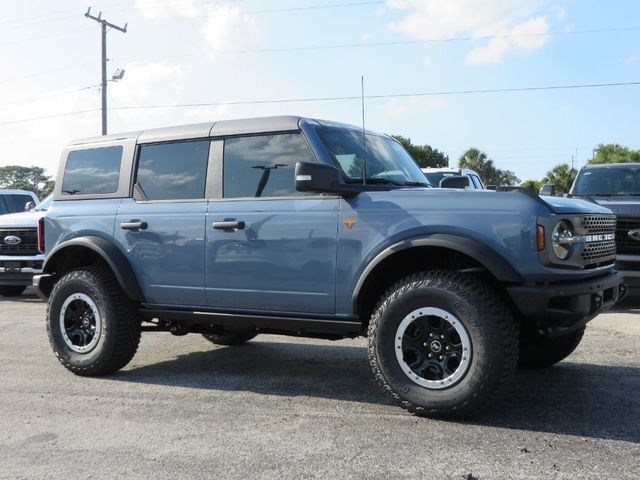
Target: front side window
x=608 y=181
x=263 y=165
x=173 y=171
x=92 y=171
x=383 y=161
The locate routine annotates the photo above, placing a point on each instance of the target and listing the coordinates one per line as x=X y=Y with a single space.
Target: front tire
x=93 y=327
x=538 y=351
x=231 y=338
x=441 y=343
x=12 y=290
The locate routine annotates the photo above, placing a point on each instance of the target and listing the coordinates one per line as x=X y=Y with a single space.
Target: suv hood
x=620 y=205
x=21 y=219
x=573 y=205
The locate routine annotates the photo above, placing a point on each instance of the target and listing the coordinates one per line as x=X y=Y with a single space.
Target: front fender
x=484 y=255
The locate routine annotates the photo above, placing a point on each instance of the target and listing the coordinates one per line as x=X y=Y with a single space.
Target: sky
x=185 y=52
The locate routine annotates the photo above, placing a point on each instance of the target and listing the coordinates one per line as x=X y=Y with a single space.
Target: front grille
x=627 y=245
x=27 y=246
x=599 y=252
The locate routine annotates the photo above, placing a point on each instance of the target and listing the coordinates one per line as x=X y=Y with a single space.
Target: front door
x=270 y=248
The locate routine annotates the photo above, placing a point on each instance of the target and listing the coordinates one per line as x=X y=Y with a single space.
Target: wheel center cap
x=435 y=346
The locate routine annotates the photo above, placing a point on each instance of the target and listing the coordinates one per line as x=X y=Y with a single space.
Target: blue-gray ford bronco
x=295 y=226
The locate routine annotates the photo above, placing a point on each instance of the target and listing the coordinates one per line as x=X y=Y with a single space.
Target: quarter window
x=173 y=171
x=263 y=165
x=92 y=171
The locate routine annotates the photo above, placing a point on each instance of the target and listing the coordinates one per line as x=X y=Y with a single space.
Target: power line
x=21 y=103
x=45 y=117
x=393 y=95
x=350 y=97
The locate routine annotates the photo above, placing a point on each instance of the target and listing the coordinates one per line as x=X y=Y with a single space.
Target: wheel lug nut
x=447 y=347
x=430 y=335
x=430 y=355
x=440 y=357
x=441 y=336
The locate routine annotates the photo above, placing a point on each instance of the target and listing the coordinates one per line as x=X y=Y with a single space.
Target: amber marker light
x=540 y=237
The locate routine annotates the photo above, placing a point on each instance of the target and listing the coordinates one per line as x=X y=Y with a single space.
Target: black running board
x=261 y=323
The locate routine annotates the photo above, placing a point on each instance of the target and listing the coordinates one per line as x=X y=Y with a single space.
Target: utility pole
x=103 y=26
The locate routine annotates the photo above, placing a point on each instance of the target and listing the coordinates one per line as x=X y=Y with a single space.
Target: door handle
x=229 y=225
x=134 y=225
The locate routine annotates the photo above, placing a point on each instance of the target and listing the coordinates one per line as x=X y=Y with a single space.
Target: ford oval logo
x=634 y=235
x=12 y=240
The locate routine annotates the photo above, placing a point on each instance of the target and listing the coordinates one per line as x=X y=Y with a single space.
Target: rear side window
x=263 y=165
x=93 y=171
x=173 y=171
x=16 y=203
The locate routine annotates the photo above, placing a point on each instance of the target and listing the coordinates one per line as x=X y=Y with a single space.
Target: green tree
x=562 y=176
x=480 y=162
x=613 y=153
x=26 y=178
x=533 y=185
x=424 y=155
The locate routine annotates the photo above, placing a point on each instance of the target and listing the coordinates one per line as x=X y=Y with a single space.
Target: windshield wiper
x=416 y=184
x=373 y=181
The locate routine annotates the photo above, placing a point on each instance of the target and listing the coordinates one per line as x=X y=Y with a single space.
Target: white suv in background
x=435 y=176
x=12 y=201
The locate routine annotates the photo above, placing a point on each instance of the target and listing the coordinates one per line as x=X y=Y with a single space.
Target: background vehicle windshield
x=609 y=181
x=387 y=161
x=45 y=204
x=435 y=177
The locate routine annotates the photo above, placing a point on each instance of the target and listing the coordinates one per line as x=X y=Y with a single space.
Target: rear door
x=270 y=248
x=163 y=228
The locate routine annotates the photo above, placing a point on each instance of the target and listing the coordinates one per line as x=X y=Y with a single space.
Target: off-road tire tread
x=548 y=352
x=487 y=300
x=127 y=322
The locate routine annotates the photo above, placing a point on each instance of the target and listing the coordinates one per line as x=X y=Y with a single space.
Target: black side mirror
x=29 y=206
x=317 y=177
x=548 y=190
x=457 y=181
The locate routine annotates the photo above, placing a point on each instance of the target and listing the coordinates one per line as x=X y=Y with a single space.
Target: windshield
x=45 y=204
x=387 y=161
x=609 y=181
x=435 y=177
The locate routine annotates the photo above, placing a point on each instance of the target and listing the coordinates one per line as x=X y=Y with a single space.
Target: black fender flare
x=484 y=255
x=110 y=253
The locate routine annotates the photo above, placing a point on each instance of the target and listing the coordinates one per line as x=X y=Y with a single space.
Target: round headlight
x=561 y=239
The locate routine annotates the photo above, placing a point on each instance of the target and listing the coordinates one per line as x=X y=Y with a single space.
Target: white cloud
x=523 y=37
x=223 y=27
x=437 y=19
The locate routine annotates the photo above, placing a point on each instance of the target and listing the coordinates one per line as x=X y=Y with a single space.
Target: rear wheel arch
x=439 y=251
x=90 y=250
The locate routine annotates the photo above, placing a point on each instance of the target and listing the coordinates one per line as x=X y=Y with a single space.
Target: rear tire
x=231 y=338
x=12 y=290
x=93 y=327
x=538 y=351
x=475 y=349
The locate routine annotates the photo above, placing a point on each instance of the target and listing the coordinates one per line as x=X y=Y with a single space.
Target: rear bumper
x=567 y=306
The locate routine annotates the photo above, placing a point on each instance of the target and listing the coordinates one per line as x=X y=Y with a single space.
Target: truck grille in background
x=28 y=245
x=627 y=245
x=602 y=252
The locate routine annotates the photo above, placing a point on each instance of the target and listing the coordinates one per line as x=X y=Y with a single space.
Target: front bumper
x=567 y=306
x=629 y=266
x=19 y=270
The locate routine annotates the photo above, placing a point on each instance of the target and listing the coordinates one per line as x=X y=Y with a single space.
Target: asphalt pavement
x=290 y=408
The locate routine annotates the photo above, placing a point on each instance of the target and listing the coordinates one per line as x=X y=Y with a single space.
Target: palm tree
x=562 y=176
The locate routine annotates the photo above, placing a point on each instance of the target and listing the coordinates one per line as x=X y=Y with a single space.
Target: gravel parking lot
x=284 y=407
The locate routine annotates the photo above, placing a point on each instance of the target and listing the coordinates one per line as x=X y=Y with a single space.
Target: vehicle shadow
x=584 y=400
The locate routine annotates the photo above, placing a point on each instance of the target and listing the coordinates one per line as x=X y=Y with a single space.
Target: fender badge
x=350 y=223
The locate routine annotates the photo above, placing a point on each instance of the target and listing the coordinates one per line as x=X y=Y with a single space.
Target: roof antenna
x=364 y=136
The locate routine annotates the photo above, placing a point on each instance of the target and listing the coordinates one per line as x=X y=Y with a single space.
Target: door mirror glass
x=458 y=181
x=316 y=177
